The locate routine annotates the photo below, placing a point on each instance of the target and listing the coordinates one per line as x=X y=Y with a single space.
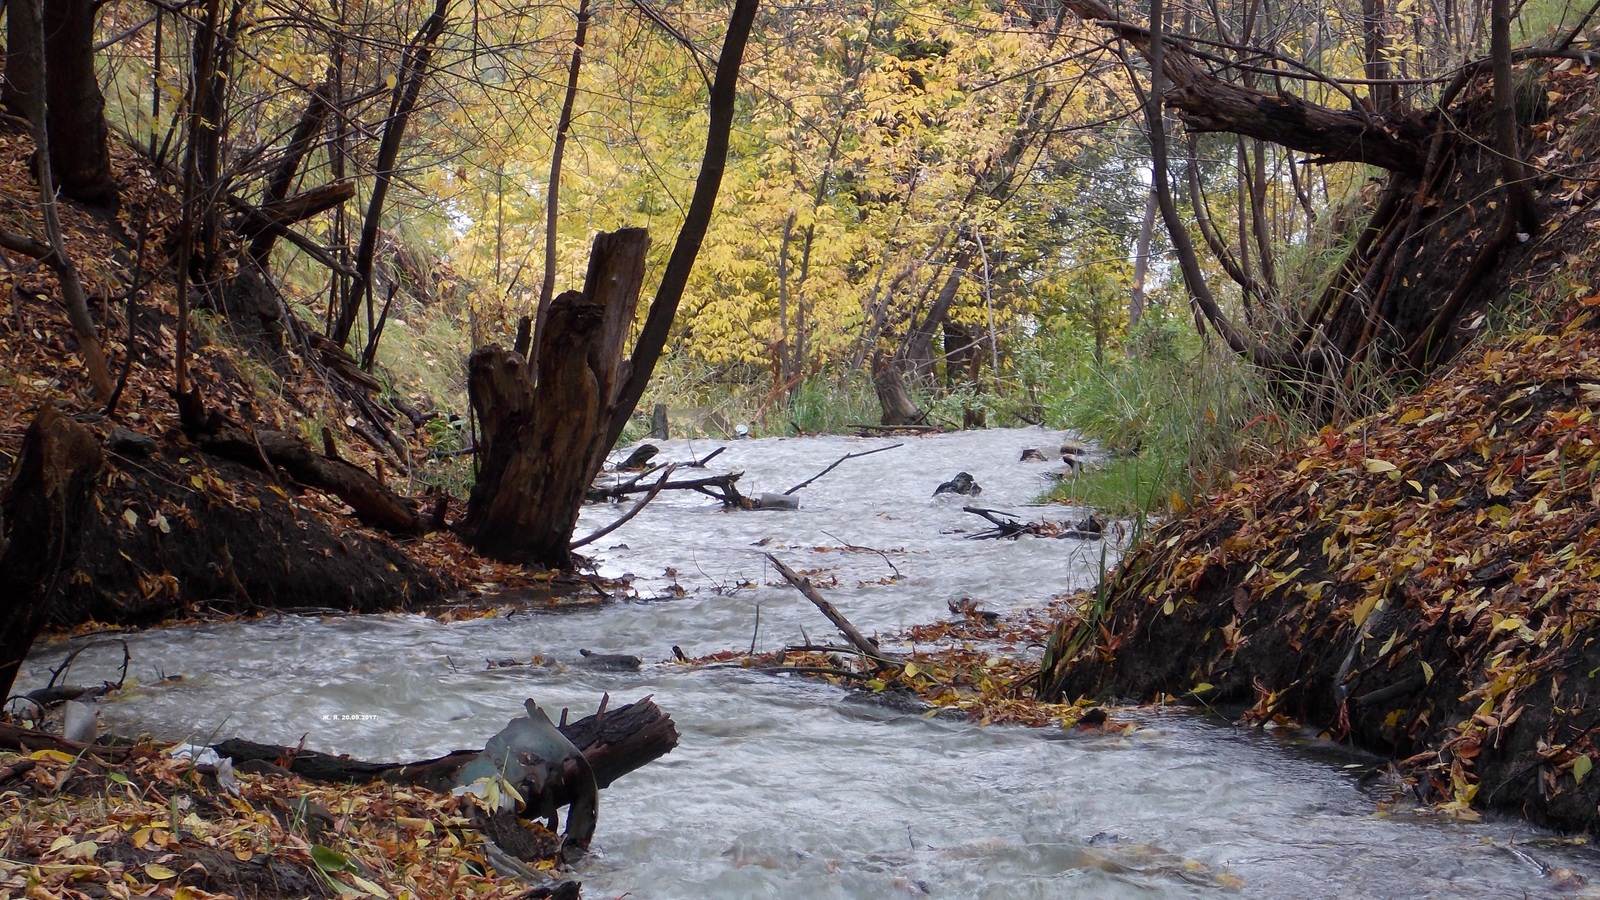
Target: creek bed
x=787 y=788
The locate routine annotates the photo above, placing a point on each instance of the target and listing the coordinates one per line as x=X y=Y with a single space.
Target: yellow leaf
x=1377 y=465
x=1363 y=609
x=1389 y=644
x=368 y=886
x=1581 y=767
x=198 y=482
x=1427 y=673
x=52 y=755
x=159 y=872
x=141 y=838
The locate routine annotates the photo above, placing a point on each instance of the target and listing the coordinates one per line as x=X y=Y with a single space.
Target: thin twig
x=837 y=462
x=651 y=495
x=849 y=546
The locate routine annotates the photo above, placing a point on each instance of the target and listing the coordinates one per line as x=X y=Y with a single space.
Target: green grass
x=825 y=405
x=1174 y=416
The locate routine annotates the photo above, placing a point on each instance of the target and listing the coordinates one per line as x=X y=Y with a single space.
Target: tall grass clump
x=1172 y=415
x=826 y=404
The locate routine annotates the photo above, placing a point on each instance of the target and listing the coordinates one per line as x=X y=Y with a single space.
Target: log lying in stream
x=614 y=741
x=1006 y=527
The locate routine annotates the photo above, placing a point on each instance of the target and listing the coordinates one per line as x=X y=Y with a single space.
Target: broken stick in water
x=836 y=463
x=864 y=645
x=623 y=520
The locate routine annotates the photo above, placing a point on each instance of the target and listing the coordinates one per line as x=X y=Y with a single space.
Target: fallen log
x=614 y=741
x=1088 y=529
x=267 y=450
x=28 y=740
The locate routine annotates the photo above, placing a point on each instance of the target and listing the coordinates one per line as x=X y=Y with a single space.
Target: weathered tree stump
x=542 y=435
x=43 y=514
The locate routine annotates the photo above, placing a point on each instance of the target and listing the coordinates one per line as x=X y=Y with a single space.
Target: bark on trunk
x=24 y=67
x=43 y=515
x=76 y=118
x=543 y=439
x=898 y=407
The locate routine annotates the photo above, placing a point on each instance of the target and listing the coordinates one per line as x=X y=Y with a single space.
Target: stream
x=787 y=788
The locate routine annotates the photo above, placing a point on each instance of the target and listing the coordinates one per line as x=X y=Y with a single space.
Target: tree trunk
x=43 y=515
x=898 y=407
x=408 y=85
x=547 y=286
x=1141 y=261
x=664 y=308
x=284 y=173
x=24 y=68
x=1207 y=103
x=76 y=118
x=543 y=439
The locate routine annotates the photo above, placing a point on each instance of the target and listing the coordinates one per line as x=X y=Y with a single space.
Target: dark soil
x=210 y=535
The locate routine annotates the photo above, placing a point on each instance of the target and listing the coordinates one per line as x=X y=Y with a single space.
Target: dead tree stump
x=44 y=512
x=543 y=435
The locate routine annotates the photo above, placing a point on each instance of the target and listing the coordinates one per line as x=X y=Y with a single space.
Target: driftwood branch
x=1090 y=529
x=721 y=487
x=864 y=645
x=1005 y=526
x=701 y=463
x=623 y=520
x=836 y=463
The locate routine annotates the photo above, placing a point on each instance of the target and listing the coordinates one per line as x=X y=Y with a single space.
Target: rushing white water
x=785 y=788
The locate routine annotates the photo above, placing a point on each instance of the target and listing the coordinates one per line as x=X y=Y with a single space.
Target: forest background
x=954 y=196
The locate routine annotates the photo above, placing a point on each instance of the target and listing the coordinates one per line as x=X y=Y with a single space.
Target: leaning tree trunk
x=43 y=514
x=543 y=439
